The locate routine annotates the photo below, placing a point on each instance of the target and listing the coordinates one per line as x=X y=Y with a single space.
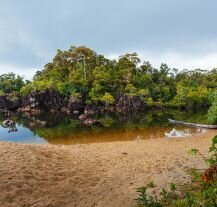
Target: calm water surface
x=67 y=129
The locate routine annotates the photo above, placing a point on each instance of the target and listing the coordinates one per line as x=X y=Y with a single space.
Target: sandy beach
x=93 y=175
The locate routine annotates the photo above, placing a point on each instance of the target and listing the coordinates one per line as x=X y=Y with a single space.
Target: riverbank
x=102 y=175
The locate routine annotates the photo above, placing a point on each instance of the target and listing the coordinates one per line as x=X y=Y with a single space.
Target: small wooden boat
x=193 y=124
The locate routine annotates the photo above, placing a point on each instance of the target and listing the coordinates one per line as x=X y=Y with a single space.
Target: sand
x=93 y=175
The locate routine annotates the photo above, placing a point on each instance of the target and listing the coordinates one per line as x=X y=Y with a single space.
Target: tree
x=212 y=113
x=107 y=99
x=11 y=83
x=81 y=70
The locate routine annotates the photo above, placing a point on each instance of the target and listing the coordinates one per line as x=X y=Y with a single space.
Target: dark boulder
x=75 y=112
x=75 y=104
x=48 y=100
x=51 y=100
x=89 y=121
x=8 y=103
x=8 y=123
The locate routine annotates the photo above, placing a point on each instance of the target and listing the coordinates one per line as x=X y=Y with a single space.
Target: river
x=67 y=129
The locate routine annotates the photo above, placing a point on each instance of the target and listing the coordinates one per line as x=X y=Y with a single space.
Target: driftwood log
x=193 y=124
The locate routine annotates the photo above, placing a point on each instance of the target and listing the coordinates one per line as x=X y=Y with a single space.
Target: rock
x=75 y=104
x=90 y=110
x=82 y=117
x=8 y=123
x=91 y=121
x=7 y=103
x=68 y=112
x=24 y=109
x=75 y=112
x=88 y=121
x=48 y=100
x=51 y=100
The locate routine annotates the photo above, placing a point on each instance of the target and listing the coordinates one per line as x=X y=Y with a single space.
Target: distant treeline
x=82 y=73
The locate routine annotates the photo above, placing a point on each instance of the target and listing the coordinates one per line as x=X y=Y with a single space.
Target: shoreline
x=96 y=174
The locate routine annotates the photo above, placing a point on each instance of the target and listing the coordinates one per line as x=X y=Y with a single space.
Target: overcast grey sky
x=181 y=33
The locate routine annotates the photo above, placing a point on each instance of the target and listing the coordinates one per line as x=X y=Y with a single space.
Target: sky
x=181 y=33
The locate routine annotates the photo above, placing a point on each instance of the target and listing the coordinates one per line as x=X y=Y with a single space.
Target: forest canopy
x=81 y=72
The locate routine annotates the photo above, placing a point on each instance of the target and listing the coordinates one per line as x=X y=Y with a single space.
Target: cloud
x=27 y=73
x=182 y=61
x=181 y=31
x=176 y=60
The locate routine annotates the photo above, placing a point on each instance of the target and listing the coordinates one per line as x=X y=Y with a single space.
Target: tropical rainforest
x=82 y=73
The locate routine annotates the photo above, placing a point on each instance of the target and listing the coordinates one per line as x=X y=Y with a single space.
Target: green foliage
x=194 y=151
x=108 y=99
x=2 y=93
x=11 y=83
x=131 y=90
x=212 y=113
x=191 y=96
x=83 y=71
x=213 y=150
x=25 y=90
x=146 y=200
x=201 y=192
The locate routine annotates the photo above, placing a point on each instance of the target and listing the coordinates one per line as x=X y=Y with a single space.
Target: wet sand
x=94 y=175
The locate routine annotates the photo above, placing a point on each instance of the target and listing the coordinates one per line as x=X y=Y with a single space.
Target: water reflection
x=10 y=125
x=67 y=129
x=23 y=135
x=176 y=133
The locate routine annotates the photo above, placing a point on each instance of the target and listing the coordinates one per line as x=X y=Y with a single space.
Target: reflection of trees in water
x=57 y=125
x=8 y=123
x=43 y=120
x=11 y=128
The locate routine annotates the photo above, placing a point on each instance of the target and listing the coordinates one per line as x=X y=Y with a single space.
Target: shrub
x=212 y=114
x=201 y=192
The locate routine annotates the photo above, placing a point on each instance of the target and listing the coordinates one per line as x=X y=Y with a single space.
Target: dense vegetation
x=11 y=85
x=82 y=73
x=202 y=191
x=212 y=113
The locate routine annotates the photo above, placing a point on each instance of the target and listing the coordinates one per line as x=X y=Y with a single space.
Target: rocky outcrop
x=75 y=105
x=52 y=101
x=9 y=103
x=48 y=100
x=8 y=123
